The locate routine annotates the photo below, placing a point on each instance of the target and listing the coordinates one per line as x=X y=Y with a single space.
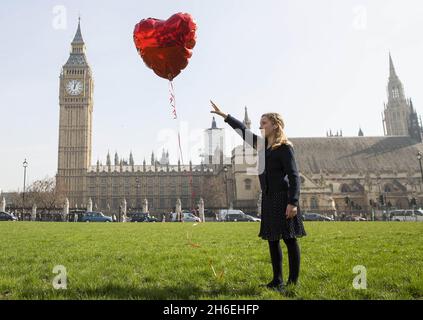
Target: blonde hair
x=280 y=135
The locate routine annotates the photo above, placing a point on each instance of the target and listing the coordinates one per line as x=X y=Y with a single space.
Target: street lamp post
x=225 y=169
x=381 y=199
x=25 y=165
x=137 y=180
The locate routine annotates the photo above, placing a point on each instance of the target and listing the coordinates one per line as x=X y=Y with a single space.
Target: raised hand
x=217 y=110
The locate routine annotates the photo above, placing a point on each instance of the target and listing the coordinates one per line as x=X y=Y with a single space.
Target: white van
x=406 y=215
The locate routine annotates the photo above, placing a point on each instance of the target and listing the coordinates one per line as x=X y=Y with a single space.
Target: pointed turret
x=395 y=87
x=214 y=125
x=247 y=120
x=77 y=40
x=108 y=161
x=392 y=72
x=77 y=57
x=397 y=111
x=131 y=159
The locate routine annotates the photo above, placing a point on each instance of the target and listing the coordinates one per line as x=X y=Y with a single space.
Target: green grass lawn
x=206 y=261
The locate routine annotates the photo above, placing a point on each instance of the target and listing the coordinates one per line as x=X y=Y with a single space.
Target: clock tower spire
x=75 y=123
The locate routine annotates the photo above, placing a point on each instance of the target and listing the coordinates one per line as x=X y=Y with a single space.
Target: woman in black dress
x=280 y=184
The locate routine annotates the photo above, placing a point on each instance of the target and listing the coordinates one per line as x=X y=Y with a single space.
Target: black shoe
x=277 y=286
x=291 y=283
x=273 y=284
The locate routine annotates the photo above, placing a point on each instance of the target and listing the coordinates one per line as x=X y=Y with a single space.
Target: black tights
x=293 y=256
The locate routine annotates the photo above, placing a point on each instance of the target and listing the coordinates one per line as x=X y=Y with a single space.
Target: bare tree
x=215 y=195
x=45 y=194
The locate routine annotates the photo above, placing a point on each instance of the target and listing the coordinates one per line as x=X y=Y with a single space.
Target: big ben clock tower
x=75 y=124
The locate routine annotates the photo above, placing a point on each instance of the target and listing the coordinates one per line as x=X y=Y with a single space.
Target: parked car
x=5 y=216
x=142 y=217
x=354 y=218
x=315 y=217
x=186 y=217
x=190 y=217
x=406 y=215
x=95 y=217
x=253 y=219
x=240 y=217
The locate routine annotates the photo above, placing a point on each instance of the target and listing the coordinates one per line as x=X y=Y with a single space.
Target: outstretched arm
x=240 y=128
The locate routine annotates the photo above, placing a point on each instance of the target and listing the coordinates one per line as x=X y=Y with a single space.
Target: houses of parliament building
x=337 y=173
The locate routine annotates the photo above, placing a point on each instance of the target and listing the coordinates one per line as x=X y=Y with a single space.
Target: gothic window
x=150 y=190
x=162 y=202
x=115 y=203
x=184 y=203
x=357 y=187
x=314 y=203
x=173 y=203
x=345 y=188
x=115 y=189
x=388 y=188
x=93 y=189
x=173 y=189
x=185 y=189
x=150 y=203
x=395 y=93
x=247 y=184
x=103 y=204
x=139 y=203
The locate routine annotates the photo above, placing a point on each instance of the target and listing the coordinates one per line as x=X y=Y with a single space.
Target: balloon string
x=173 y=105
x=172 y=99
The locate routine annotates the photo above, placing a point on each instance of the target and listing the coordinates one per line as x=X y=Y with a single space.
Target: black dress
x=280 y=184
x=274 y=224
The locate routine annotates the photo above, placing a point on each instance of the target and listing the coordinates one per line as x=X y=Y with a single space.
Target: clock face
x=74 y=87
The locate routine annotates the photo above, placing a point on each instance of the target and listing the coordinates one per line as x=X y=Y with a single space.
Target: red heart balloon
x=166 y=46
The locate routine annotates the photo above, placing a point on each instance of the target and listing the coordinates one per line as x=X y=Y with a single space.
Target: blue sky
x=321 y=64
